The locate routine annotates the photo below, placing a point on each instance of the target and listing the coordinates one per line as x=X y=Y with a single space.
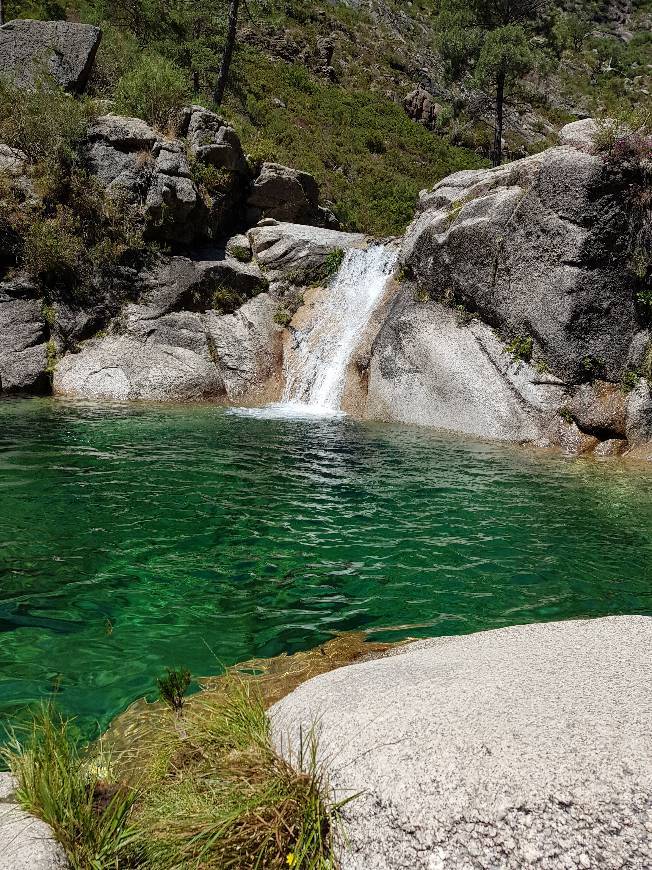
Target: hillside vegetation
x=321 y=86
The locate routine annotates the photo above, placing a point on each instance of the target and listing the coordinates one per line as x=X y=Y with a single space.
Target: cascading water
x=316 y=363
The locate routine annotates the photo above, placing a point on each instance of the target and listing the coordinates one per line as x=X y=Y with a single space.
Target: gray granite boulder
x=212 y=140
x=23 y=342
x=64 y=50
x=26 y=843
x=429 y=368
x=539 y=248
x=298 y=253
x=515 y=748
x=287 y=194
x=180 y=356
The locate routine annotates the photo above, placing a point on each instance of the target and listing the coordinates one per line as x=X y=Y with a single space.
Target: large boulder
x=138 y=164
x=286 y=194
x=421 y=106
x=212 y=140
x=174 y=345
x=540 y=249
x=297 y=253
x=429 y=367
x=26 y=843
x=23 y=341
x=64 y=50
x=520 y=747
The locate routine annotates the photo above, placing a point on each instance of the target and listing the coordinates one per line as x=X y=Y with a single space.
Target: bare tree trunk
x=223 y=76
x=497 y=155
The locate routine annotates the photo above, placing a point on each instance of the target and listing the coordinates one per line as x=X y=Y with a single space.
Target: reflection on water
x=135 y=537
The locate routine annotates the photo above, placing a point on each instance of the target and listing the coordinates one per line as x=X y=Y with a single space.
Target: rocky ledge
x=26 y=843
x=520 y=747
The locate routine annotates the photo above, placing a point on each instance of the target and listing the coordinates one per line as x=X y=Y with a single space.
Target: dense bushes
x=57 y=222
x=155 y=89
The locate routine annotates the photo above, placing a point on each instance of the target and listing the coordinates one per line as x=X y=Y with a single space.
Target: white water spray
x=316 y=363
x=318 y=356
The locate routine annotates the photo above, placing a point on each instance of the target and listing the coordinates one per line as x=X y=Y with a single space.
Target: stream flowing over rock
x=471 y=751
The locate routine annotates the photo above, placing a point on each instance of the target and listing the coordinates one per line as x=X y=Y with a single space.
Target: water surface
x=136 y=537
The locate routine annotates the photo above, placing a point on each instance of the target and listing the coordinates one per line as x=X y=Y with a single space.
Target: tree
x=491 y=39
x=234 y=8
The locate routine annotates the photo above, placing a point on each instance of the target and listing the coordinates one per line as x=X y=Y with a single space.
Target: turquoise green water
x=132 y=538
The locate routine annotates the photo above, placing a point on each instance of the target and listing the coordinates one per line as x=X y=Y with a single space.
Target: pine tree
x=490 y=39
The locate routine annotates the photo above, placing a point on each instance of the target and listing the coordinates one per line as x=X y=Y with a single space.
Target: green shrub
x=521 y=348
x=172 y=687
x=155 y=90
x=629 y=381
x=53 y=248
x=226 y=300
x=282 y=316
x=566 y=415
x=332 y=263
x=45 y=123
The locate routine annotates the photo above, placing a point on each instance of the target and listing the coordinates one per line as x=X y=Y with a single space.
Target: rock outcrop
x=201 y=329
x=26 y=843
x=286 y=194
x=64 y=50
x=520 y=318
x=141 y=166
x=472 y=752
x=421 y=106
x=23 y=340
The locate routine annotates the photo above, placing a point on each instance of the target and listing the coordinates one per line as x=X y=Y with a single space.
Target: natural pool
x=135 y=537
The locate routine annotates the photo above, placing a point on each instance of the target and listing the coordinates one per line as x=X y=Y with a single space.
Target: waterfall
x=316 y=362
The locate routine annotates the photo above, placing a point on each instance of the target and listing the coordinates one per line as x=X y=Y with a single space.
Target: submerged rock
x=520 y=747
x=64 y=50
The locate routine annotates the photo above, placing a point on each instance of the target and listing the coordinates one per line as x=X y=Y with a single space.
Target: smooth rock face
x=538 y=249
x=179 y=356
x=63 y=49
x=26 y=843
x=428 y=369
x=521 y=747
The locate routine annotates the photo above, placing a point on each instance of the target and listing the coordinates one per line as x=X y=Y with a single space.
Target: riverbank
x=521 y=747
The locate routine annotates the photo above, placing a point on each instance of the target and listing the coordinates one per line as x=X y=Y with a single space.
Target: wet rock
x=599 y=409
x=470 y=751
x=573 y=441
x=23 y=339
x=64 y=50
x=611 y=447
x=298 y=253
x=639 y=414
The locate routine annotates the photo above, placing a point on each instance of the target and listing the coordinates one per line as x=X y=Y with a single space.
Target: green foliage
x=59 y=782
x=172 y=687
x=226 y=300
x=505 y=51
x=521 y=348
x=566 y=415
x=421 y=295
x=283 y=316
x=45 y=123
x=326 y=130
x=242 y=254
x=155 y=89
x=332 y=263
x=629 y=381
x=51 y=357
x=49 y=313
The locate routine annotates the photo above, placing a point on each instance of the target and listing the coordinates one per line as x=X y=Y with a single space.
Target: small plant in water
x=173 y=686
